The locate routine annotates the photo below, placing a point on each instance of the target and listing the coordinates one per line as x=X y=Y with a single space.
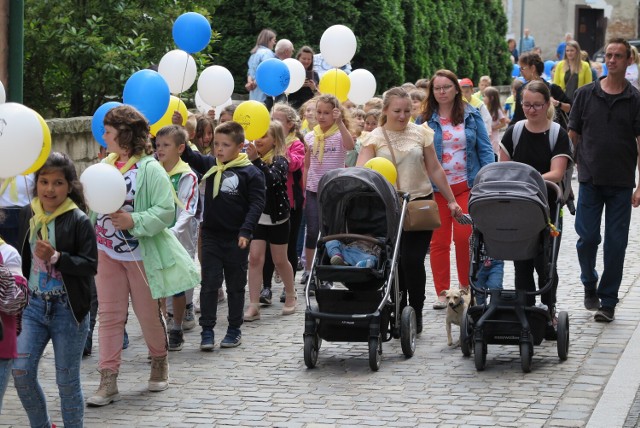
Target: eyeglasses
x=442 y=89
x=527 y=106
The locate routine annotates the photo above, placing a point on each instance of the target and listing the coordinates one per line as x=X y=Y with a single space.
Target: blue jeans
x=45 y=320
x=352 y=256
x=616 y=202
x=489 y=278
x=5 y=371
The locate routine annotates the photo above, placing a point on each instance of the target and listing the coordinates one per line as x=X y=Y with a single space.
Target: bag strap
x=554 y=131
x=393 y=156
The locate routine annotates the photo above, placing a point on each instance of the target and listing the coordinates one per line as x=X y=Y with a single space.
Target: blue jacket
x=479 y=150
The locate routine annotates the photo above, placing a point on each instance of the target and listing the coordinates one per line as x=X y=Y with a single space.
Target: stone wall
x=73 y=137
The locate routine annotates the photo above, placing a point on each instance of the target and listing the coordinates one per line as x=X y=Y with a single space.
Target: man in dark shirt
x=604 y=126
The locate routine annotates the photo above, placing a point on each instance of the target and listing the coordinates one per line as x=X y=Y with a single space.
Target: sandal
x=252 y=313
x=290 y=310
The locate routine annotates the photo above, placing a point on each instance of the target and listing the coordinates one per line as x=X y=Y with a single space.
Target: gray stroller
x=511 y=221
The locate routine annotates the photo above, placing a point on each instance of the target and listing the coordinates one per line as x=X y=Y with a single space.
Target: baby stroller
x=358 y=204
x=511 y=221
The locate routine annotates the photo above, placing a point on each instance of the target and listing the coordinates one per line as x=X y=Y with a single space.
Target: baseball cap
x=466 y=82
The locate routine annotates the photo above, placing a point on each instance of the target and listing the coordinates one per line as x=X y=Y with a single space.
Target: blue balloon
x=191 y=32
x=97 y=122
x=272 y=76
x=515 y=71
x=548 y=65
x=605 y=70
x=147 y=91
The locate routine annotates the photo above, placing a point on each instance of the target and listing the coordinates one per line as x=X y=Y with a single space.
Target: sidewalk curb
x=620 y=392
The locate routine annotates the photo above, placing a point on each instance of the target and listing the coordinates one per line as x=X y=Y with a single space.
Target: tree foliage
x=79 y=53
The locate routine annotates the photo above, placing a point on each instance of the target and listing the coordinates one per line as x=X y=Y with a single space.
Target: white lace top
x=408 y=147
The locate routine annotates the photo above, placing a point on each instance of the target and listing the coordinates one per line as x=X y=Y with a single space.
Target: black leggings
x=412 y=274
x=295 y=217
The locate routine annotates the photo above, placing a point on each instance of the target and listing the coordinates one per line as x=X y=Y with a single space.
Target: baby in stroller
x=358 y=253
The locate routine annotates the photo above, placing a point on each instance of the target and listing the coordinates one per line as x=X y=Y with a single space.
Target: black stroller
x=511 y=221
x=358 y=204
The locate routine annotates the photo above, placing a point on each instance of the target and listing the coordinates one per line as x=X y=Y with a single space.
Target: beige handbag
x=422 y=214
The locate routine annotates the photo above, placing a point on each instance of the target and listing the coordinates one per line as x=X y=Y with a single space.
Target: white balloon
x=201 y=105
x=179 y=70
x=3 y=95
x=338 y=45
x=104 y=188
x=363 y=86
x=20 y=139
x=221 y=107
x=215 y=85
x=298 y=75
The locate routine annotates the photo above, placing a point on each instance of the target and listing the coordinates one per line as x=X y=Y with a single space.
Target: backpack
x=565 y=183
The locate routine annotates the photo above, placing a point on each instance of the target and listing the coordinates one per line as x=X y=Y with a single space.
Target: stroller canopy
x=360 y=201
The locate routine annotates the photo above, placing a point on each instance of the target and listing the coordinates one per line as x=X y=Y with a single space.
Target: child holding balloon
x=327 y=146
x=139 y=258
x=59 y=258
x=269 y=155
x=204 y=133
x=233 y=203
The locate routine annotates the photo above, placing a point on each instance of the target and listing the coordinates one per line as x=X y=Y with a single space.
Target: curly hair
x=132 y=130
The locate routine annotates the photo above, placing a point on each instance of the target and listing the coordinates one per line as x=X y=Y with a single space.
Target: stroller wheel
x=480 y=357
x=563 y=335
x=375 y=353
x=311 y=347
x=465 y=335
x=526 y=354
x=408 y=331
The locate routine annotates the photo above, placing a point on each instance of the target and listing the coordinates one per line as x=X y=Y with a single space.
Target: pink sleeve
x=296 y=156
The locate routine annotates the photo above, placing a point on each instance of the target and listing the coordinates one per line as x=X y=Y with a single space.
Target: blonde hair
x=374 y=102
x=332 y=100
x=574 y=65
x=192 y=122
x=291 y=115
x=634 y=55
x=276 y=131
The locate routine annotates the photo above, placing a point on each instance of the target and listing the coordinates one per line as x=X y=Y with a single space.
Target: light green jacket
x=167 y=264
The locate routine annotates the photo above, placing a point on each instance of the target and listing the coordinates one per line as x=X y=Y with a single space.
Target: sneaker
x=169 y=322
x=206 y=339
x=189 y=322
x=283 y=296
x=304 y=277
x=266 y=296
x=221 y=297
x=176 y=340
x=440 y=304
x=591 y=301
x=300 y=267
x=232 y=339
x=605 y=314
x=277 y=278
x=125 y=340
x=337 y=260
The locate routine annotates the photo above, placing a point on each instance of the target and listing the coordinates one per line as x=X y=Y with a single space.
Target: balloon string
x=184 y=74
x=335 y=90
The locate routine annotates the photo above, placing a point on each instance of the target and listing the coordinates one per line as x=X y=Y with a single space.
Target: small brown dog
x=457 y=301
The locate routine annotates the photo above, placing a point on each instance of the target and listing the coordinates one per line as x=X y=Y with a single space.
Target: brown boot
x=107 y=392
x=159 y=378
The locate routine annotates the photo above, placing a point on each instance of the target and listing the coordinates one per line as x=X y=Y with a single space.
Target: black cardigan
x=78 y=262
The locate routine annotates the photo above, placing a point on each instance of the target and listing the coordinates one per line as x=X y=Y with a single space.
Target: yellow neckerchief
x=304 y=126
x=268 y=157
x=2 y=241
x=180 y=168
x=290 y=139
x=241 y=160
x=318 y=145
x=13 y=188
x=113 y=157
x=40 y=218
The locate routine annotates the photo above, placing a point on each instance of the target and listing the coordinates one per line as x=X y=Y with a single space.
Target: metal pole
x=521 y=24
x=16 y=50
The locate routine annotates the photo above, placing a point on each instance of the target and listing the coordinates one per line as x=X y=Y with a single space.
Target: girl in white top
x=632 y=70
x=498 y=118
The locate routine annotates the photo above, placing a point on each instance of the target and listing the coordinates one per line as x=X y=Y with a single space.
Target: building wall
x=549 y=20
x=4 y=42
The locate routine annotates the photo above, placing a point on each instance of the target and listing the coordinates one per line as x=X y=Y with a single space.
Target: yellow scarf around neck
x=241 y=160
x=318 y=145
x=13 y=188
x=290 y=139
x=113 y=158
x=180 y=168
x=41 y=219
x=268 y=157
x=2 y=241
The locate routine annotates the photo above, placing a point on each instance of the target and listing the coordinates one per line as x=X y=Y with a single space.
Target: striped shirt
x=334 y=157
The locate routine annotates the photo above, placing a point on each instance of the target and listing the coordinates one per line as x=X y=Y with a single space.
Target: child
x=227 y=113
x=371 y=120
x=483 y=83
x=170 y=143
x=510 y=102
x=308 y=115
x=233 y=203
x=204 y=133
x=288 y=118
x=59 y=258
x=373 y=103
x=359 y=253
x=268 y=154
x=417 y=100
x=352 y=155
x=498 y=118
x=138 y=257
x=327 y=146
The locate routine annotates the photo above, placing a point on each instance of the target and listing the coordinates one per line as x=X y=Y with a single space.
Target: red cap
x=466 y=82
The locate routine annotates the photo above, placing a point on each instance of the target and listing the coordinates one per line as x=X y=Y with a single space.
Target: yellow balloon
x=335 y=82
x=175 y=103
x=46 y=147
x=253 y=116
x=385 y=167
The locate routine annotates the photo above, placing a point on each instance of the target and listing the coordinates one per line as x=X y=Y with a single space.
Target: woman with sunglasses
x=535 y=149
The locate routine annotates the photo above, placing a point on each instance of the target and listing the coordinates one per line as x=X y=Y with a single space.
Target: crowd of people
x=250 y=210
